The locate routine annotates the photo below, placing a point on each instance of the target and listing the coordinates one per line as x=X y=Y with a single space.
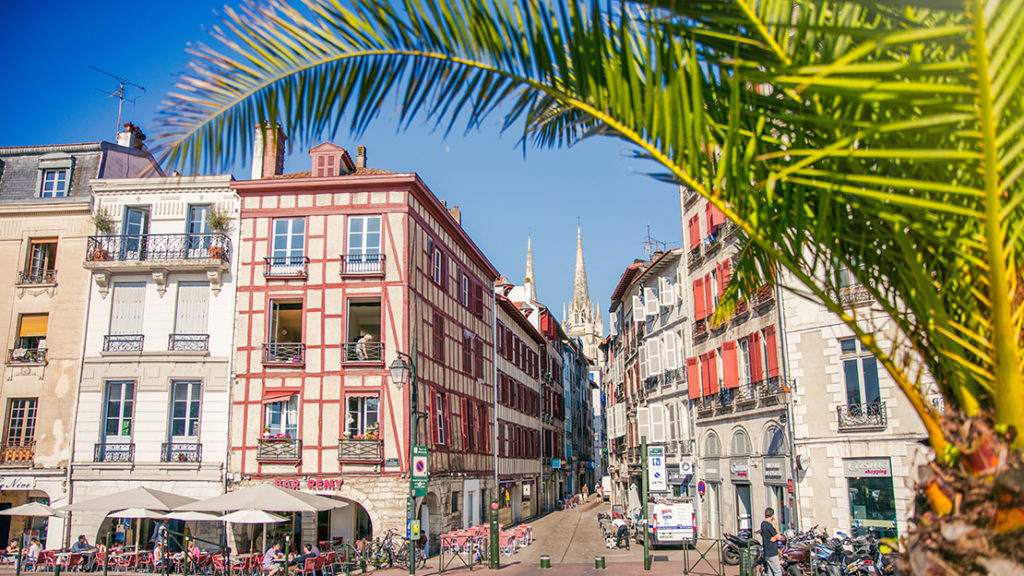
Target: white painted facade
x=159 y=330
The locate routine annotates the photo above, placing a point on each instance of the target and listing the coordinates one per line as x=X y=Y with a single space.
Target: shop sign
x=556 y=463
x=739 y=470
x=711 y=472
x=17 y=483
x=391 y=463
x=527 y=490
x=775 y=470
x=310 y=483
x=507 y=483
x=867 y=468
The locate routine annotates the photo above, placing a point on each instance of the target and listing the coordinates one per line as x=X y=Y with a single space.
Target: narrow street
x=572 y=538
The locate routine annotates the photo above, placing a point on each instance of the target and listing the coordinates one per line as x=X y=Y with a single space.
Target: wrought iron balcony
x=705 y=405
x=18 y=452
x=284 y=353
x=700 y=329
x=713 y=241
x=861 y=416
x=114 y=452
x=123 y=342
x=362 y=265
x=37 y=277
x=854 y=295
x=765 y=296
x=769 y=391
x=286 y=267
x=188 y=342
x=181 y=452
x=745 y=395
x=279 y=450
x=727 y=229
x=724 y=400
x=687 y=447
x=365 y=353
x=26 y=356
x=742 y=310
x=695 y=257
x=689 y=197
x=360 y=450
x=159 y=247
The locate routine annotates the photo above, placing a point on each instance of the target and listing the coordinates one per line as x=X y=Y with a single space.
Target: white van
x=673 y=523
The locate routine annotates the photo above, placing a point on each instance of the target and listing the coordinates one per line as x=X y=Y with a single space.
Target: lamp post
x=402 y=372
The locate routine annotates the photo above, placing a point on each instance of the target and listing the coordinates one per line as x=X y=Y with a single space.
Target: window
x=438 y=332
x=55 y=183
x=468 y=426
x=31 y=334
x=464 y=289
x=288 y=248
x=478 y=364
x=437 y=267
x=191 y=309
x=21 y=424
x=284 y=337
x=740 y=443
x=185 y=402
x=744 y=368
x=860 y=374
x=481 y=422
x=281 y=417
x=361 y=419
x=363 y=340
x=126 y=313
x=117 y=416
x=440 y=418
x=364 y=238
x=197 y=226
x=467 y=352
x=42 y=257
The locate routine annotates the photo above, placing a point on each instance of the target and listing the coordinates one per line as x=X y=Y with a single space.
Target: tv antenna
x=652 y=245
x=122 y=83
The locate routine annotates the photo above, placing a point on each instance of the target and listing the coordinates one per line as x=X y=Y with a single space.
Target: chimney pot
x=268 y=152
x=360 y=156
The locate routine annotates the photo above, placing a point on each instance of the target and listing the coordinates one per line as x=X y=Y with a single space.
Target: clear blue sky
x=51 y=96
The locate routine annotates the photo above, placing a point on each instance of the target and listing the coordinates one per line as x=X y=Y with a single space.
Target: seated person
x=11 y=552
x=158 y=555
x=307 y=553
x=32 y=556
x=273 y=560
x=87 y=551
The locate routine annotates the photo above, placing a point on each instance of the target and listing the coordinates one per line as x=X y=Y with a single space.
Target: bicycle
x=402 y=555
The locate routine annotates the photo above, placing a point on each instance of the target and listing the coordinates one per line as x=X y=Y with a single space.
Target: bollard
x=545 y=562
x=599 y=562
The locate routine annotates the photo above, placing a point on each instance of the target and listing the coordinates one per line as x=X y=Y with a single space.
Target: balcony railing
x=853 y=295
x=286 y=267
x=123 y=342
x=181 y=452
x=696 y=255
x=18 y=452
x=37 y=277
x=188 y=342
x=858 y=416
x=742 y=310
x=724 y=400
x=689 y=197
x=284 y=353
x=700 y=328
x=713 y=241
x=159 y=247
x=362 y=264
x=687 y=447
x=705 y=405
x=26 y=356
x=114 y=452
x=279 y=450
x=769 y=390
x=360 y=450
x=765 y=296
x=368 y=352
x=745 y=395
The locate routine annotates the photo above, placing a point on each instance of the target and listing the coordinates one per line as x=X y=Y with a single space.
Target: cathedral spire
x=583 y=321
x=579 y=284
x=528 y=279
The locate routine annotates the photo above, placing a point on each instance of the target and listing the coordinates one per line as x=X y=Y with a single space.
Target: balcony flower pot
x=215 y=252
x=100 y=255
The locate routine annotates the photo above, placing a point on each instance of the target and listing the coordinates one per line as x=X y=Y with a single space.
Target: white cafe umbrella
x=264 y=497
x=137 y=513
x=147 y=498
x=36 y=509
x=253 y=517
x=192 y=516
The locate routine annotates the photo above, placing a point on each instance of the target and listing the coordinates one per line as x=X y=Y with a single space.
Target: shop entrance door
x=714 y=514
x=743 y=508
x=777 y=500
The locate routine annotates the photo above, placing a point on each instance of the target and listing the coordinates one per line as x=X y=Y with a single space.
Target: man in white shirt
x=621 y=532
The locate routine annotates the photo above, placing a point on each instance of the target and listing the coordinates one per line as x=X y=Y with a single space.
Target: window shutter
x=657 y=415
x=709 y=301
x=693 y=377
x=432 y=410
x=721 y=279
x=613 y=328
x=643 y=422
x=726 y=273
x=127 y=307
x=192 y=306
x=694 y=232
x=708 y=218
x=712 y=373
x=464 y=414
x=620 y=415
x=638 y=309
x=642 y=354
x=650 y=302
x=653 y=347
x=729 y=366
x=772 y=359
x=666 y=292
x=699 y=312
x=447 y=417
x=754 y=346
x=717 y=216
x=668 y=345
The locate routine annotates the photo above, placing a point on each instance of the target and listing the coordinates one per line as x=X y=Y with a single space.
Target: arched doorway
x=713 y=484
x=430 y=522
x=739 y=474
x=353 y=522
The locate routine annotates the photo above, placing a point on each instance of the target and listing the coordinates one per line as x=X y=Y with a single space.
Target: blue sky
x=51 y=96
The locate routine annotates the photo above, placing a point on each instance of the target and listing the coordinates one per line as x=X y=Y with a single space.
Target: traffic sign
x=701 y=487
x=419 y=471
x=657 y=477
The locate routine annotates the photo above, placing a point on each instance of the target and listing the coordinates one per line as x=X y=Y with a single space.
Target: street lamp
x=402 y=372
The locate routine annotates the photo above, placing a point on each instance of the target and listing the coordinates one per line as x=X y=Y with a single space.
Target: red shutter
x=432 y=410
x=708 y=217
x=713 y=372
x=479 y=365
x=694 y=232
x=698 y=299
x=721 y=279
x=772 y=360
x=693 y=377
x=757 y=373
x=731 y=374
x=709 y=300
x=717 y=216
x=464 y=410
x=501 y=439
x=725 y=274
x=484 y=440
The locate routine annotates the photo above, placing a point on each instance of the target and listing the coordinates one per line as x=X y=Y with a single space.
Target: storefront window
x=873 y=505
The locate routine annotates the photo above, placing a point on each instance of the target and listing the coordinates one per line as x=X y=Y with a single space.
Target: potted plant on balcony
x=104 y=224
x=218 y=220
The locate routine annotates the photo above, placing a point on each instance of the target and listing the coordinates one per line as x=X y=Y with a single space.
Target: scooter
x=733 y=544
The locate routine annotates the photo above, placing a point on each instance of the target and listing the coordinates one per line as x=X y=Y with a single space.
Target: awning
x=33 y=325
x=277 y=397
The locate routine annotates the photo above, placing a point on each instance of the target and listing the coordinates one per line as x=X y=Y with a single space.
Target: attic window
x=326 y=166
x=54 y=175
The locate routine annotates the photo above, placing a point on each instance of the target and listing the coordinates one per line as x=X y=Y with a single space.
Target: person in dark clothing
x=88 y=552
x=621 y=532
x=769 y=539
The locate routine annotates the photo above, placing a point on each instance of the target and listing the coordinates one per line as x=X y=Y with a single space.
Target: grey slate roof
x=20 y=169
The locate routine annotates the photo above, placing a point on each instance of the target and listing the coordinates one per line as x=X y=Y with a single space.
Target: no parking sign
x=701 y=488
x=419 y=471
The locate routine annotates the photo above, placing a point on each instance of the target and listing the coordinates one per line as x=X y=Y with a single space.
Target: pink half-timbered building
x=340 y=268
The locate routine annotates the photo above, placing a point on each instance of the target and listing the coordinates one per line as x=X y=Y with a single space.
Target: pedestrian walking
x=769 y=540
x=586 y=492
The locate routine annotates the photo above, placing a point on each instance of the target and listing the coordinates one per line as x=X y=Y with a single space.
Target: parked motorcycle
x=734 y=543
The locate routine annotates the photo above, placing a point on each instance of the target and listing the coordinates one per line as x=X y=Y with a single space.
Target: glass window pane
x=852 y=382
x=871 y=392
x=848 y=345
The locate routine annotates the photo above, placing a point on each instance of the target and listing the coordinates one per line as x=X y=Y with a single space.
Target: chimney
x=268 y=152
x=360 y=157
x=456 y=214
x=132 y=137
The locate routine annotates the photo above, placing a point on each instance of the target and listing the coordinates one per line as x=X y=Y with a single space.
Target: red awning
x=271 y=397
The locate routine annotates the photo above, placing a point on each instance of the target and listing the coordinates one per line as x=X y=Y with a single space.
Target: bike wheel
x=730 y=556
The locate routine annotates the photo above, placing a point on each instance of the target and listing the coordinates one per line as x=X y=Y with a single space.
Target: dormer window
x=330 y=160
x=55 y=175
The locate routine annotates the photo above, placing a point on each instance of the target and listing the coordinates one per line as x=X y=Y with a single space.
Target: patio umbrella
x=253 y=517
x=37 y=509
x=192 y=516
x=145 y=498
x=137 y=513
x=264 y=497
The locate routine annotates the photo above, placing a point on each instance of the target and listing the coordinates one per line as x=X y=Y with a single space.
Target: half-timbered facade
x=341 y=269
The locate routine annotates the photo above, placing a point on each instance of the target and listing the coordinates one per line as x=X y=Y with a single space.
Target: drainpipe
x=494 y=391
x=784 y=346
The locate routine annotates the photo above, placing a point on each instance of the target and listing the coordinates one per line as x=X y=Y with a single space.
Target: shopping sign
x=419 y=471
x=657 y=476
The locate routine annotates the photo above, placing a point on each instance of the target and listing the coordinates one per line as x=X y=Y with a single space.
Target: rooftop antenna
x=652 y=245
x=122 y=82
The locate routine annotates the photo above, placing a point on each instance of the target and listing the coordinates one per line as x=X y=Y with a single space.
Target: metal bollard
x=545 y=562
x=599 y=562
